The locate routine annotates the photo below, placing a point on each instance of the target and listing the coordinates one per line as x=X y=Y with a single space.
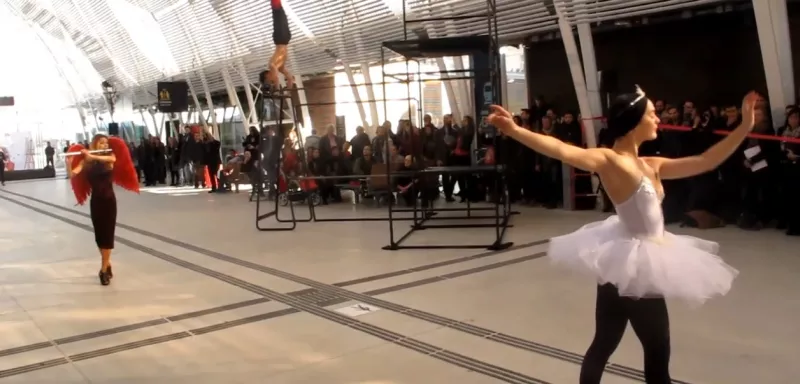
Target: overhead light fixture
x=110 y=94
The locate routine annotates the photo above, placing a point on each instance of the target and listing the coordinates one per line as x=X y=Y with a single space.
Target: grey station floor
x=200 y=296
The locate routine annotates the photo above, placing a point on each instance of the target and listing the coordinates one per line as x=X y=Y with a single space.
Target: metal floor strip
x=292 y=302
x=531 y=346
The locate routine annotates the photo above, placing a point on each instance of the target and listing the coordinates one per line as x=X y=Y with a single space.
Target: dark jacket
x=446 y=145
x=325 y=146
x=211 y=153
x=357 y=144
x=254 y=140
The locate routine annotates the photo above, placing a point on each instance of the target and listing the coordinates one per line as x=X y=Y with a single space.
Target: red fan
x=80 y=184
x=124 y=172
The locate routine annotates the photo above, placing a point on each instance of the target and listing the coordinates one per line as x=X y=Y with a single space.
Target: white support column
x=772 y=23
x=197 y=106
x=448 y=88
x=464 y=89
x=524 y=64
x=577 y=71
x=458 y=91
x=373 y=105
x=302 y=97
x=212 y=111
x=578 y=79
x=592 y=82
x=152 y=112
x=160 y=127
x=252 y=117
x=144 y=121
x=356 y=94
x=233 y=98
x=230 y=90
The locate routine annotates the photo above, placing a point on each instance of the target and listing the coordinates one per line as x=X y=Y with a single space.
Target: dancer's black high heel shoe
x=105 y=279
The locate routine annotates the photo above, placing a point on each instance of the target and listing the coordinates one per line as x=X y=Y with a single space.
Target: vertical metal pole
x=387 y=152
x=419 y=90
x=495 y=65
x=405 y=24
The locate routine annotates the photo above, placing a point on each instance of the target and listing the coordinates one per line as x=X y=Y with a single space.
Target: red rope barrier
x=759 y=136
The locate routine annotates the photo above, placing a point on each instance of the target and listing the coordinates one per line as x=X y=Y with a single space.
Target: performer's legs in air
x=281 y=36
x=278 y=65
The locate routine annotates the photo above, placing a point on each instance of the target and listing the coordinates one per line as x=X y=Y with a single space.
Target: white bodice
x=641 y=213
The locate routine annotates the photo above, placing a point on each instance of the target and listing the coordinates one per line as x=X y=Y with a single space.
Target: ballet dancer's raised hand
x=712 y=158
x=502 y=120
x=749 y=109
x=587 y=159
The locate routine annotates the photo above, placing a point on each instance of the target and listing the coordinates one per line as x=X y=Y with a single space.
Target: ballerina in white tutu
x=636 y=262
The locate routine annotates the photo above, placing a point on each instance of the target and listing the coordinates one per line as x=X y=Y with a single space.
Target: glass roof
x=135 y=43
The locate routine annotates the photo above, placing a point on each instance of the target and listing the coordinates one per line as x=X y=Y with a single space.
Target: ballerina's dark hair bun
x=625 y=113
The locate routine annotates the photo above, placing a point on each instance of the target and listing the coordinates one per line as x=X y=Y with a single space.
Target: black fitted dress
x=102 y=205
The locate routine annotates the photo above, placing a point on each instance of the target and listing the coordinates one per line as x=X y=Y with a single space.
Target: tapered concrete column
x=449 y=88
x=592 y=82
x=356 y=95
x=233 y=98
x=252 y=117
x=197 y=107
x=212 y=111
x=772 y=22
x=373 y=105
x=577 y=71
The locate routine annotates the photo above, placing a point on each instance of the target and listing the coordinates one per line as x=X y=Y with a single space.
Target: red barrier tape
x=759 y=136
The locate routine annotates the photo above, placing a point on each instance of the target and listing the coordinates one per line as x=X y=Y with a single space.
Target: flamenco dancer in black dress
x=93 y=172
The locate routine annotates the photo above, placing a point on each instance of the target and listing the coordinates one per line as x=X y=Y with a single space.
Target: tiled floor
x=201 y=296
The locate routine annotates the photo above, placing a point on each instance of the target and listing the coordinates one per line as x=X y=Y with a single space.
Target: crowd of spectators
x=186 y=159
x=755 y=188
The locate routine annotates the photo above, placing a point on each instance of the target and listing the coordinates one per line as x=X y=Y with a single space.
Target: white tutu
x=673 y=266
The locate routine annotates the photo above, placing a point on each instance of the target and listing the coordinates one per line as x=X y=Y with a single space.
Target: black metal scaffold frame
x=412 y=50
x=420 y=215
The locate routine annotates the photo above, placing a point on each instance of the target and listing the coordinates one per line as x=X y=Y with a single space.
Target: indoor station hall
x=400 y=192
x=190 y=301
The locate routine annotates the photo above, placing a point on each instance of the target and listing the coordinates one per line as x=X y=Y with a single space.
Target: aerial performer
x=281 y=36
x=636 y=263
x=92 y=173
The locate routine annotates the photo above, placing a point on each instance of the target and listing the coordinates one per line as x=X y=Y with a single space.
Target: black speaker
x=609 y=82
x=173 y=96
x=113 y=129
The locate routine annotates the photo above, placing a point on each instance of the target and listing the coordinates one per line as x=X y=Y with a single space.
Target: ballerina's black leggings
x=649 y=320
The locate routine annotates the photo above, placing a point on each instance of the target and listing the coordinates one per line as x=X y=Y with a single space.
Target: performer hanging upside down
x=636 y=262
x=281 y=36
x=94 y=174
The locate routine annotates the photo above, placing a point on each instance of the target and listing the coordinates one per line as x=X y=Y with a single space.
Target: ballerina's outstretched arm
x=712 y=158
x=591 y=159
